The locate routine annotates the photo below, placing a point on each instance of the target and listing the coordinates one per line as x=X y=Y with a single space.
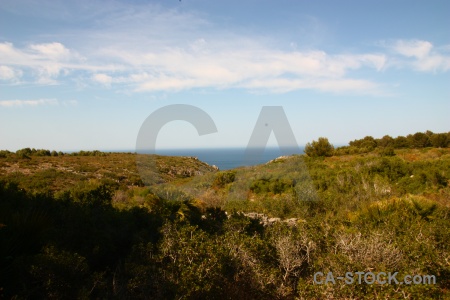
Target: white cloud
x=102 y=78
x=378 y=61
x=272 y=70
x=413 y=48
x=22 y=103
x=51 y=50
x=44 y=63
x=156 y=49
x=9 y=54
x=39 y=61
x=8 y=73
x=422 y=56
x=147 y=48
x=435 y=62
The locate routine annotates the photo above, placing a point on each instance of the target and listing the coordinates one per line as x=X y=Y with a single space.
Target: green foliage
x=321 y=147
x=89 y=153
x=402 y=142
x=42 y=152
x=272 y=185
x=27 y=152
x=224 y=178
x=368 y=143
x=419 y=140
x=77 y=227
x=346 y=150
x=385 y=141
x=388 y=151
x=4 y=153
x=89 y=193
x=440 y=140
x=392 y=168
x=24 y=153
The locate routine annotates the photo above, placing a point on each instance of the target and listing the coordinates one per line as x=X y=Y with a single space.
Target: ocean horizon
x=230 y=158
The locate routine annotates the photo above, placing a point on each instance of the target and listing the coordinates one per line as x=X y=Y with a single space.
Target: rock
x=291 y=221
x=265 y=220
x=283 y=157
x=273 y=220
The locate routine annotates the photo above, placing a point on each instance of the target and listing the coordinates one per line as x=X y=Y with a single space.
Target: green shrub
x=24 y=153
x=419 y=140
x=401 y=142
x=4 y=153
x=385 y=141
x=440 y=140
x=223 y=178
x=388 y=151
x=270 y=185
x=367 y=142
x=42 y=152
x=321 y=147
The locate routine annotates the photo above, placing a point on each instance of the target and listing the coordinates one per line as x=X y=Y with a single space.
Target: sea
x=230 y=158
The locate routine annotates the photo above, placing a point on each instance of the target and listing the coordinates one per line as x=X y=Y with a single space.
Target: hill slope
x=87 y=227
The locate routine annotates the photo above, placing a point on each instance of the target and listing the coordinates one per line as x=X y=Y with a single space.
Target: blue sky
x=85 y=75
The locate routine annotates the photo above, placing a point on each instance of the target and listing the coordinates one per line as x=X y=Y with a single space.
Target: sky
x=85 y=75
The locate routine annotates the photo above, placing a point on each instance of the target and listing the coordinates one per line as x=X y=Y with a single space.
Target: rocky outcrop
x=278 y=159
x=266 y=221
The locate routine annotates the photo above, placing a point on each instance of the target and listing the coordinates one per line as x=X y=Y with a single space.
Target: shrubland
x=86 y=226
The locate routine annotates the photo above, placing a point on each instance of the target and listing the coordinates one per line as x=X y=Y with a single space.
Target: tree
x=401 y=142
x=439 y=140
x=387 y=151
x=322 y=147
x=24 y=153
x=386 y=141
x=420 y=140
x=367 y=142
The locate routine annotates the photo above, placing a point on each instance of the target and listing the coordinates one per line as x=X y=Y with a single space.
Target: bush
x=401 y=142
x=385 y=141
x=368 y=142
x=4 y=153
x=274 y=186
x=419 y=140
x=388 y=151
x=42 y=152
x=439 y=140
x=223 y=178
x=322 y=147
x=24 y=153
x=89 y=153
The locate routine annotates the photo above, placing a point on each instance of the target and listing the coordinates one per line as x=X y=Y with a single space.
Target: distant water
x=229 y=158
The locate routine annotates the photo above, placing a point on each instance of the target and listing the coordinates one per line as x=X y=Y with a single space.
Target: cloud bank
x=153 y=49
x=423 y=56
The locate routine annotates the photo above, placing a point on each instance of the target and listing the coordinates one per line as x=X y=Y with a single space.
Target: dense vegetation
x=85 y=226
x=387 y=143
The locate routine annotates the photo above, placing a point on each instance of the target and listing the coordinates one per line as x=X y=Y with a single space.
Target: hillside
x=54 y=173
x=86 y=226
